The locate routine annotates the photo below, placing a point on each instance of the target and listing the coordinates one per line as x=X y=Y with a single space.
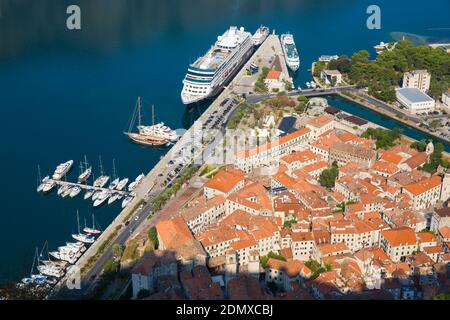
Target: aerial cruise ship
x=207 y=76
x=290 y=51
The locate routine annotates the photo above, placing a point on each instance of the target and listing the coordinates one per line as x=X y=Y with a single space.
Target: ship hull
x=187 y=100
x=134 y=137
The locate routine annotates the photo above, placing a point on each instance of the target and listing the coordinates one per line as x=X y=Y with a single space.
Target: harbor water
x=65 y=94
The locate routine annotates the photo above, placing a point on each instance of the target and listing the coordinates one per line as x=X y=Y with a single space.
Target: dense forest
x=386 y=71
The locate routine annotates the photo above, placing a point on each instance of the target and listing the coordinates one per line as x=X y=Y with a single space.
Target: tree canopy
x=328 y=176
x=385 y=138
x=386 y=71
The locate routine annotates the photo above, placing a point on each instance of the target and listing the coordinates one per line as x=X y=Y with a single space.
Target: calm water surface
x=65 y=94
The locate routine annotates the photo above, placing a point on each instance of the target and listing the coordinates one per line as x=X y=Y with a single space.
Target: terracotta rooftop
x=319 y=122
x=423 y=185
x=272 y=144
x=225 y=180
x=174 y=233
x=273 y=75
x=292 y=268
x=400 y=236
x=417 y=160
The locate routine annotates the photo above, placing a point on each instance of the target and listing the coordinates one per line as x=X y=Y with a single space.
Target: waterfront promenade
x=151 y=186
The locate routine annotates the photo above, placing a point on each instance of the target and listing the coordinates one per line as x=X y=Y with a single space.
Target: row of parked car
x=218 y=118
x=435 y=113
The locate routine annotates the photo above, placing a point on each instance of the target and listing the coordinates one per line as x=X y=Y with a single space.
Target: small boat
x=96 y=194
x=42 y=185
x=41 y=182
x=78 y=246
x=39 y=278
x=89 y=193
x=84 y=238
x=66 y=192
x=102 y=197
x=101 y=181
x=92 y=230
x=63 y=189
x=381 y=47
x=313 y=85
x=308 y=84
x=114 y=184
x=51 y=271
x=122 y=184
x=135 y=183
x=35 y=278
x=61 y=264
x=113 y=198
x=49 y=185
x=86 y=173
x=62 y=169
x=260 y=35
x=75 y=191
x=69 y=258
x=127 y=200
x=55 y=254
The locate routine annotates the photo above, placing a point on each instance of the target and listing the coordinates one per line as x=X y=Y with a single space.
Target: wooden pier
x=88 y=187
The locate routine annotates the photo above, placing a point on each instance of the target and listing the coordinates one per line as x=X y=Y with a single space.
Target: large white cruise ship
x=207 y=76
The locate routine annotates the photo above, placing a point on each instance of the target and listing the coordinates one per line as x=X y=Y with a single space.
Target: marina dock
x=150 y=187
x=87 y=187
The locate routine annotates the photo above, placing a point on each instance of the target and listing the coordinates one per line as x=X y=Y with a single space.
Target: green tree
x=420 y=146
x=110 y=267
x=117 y=250
x=271 y=255
x=361 y=56
x=153 y=237
x=328 y=176
x=318 y=67
x=343 y=64
x=434 y=124
x=385 y=138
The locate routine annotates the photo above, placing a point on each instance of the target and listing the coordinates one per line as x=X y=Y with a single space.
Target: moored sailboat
x=154 y=135
x=86 y=173
x=92 y=230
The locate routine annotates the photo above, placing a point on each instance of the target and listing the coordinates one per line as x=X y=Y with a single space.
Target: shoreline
x=446 y=154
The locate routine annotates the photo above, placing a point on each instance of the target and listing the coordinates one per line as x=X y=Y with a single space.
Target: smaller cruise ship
x=290 y=51
x=260 y=35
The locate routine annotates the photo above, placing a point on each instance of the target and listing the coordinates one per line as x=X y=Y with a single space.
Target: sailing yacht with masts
x=86 y=173
x=116 y=180
x=35 y=278
x=101 y=181
x=82 y=237
x=92 y=230
x=155 y=135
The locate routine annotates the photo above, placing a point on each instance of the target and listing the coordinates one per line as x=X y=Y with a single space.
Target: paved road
x=88 y=280
x=157 y=187
x=255 y=98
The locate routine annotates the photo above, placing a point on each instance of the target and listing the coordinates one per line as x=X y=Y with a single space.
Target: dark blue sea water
x=65 y=93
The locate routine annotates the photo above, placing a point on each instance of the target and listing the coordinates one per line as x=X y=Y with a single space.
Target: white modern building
x=418 y=79
x=415 y=100
x=331 y=76
x=446 y=98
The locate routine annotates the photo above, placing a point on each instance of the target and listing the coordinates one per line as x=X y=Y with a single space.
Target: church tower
x=445 y=191
x=430 y=148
